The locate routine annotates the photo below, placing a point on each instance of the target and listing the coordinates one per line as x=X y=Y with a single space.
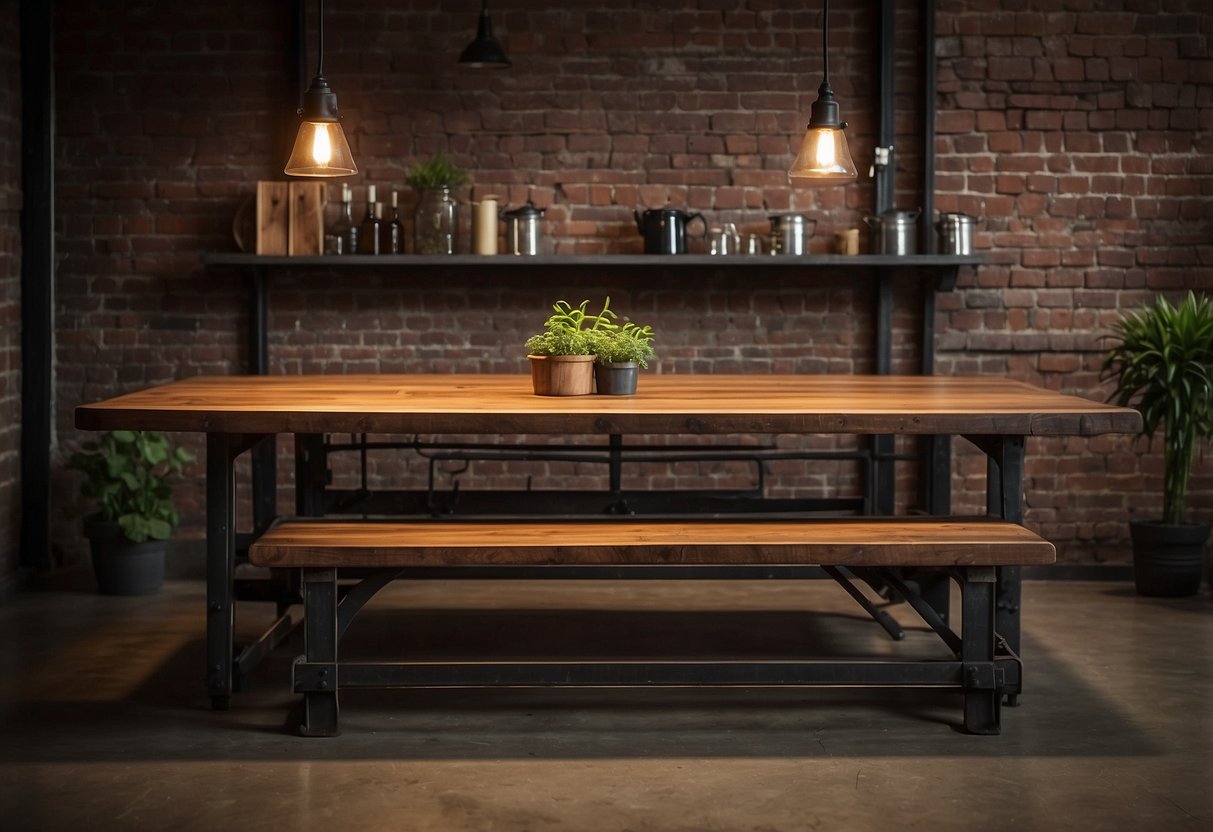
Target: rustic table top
x=665 y=404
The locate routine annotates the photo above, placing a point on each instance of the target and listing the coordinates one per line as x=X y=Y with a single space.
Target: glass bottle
x=393 y=232
x=437 y=222
x=342 y=237
x=369 y=239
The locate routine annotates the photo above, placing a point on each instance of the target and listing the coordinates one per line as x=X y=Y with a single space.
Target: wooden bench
x=970 y=550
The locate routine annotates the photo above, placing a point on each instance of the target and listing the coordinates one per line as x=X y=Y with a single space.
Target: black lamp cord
x=825 y=40
x=320 y=38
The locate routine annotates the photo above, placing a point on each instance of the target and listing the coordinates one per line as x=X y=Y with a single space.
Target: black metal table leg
x=220 y=566
x=320 y=708
x=983 y=687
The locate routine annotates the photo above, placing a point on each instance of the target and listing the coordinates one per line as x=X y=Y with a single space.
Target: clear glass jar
x=436 y=223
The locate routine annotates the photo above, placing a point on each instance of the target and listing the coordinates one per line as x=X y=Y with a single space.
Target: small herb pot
x=616 y=378
x=562 y=375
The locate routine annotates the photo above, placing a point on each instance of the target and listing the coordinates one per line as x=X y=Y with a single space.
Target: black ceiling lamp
x=484 y=51
x=824 y=158
x=320 y=147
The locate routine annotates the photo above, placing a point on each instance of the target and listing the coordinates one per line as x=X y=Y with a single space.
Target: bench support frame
x=982 y=669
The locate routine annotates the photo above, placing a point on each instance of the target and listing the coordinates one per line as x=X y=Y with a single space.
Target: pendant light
x=320 y=146
x=484 y=51
x=824 y=158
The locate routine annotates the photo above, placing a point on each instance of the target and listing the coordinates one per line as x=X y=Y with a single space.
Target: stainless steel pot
x=955 y=233
x=894 y=232
x=790 y=233
x=522 y=229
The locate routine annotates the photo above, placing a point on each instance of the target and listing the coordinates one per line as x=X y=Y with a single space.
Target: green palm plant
x=1162 y=364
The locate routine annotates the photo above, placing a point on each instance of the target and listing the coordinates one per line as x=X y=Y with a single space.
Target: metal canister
x=894 y=232
x=522 y=229
x=955 y=234
x=790 y=233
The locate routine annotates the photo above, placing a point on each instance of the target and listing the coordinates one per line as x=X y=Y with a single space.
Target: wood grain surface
x=664 y=404
x=868 y=541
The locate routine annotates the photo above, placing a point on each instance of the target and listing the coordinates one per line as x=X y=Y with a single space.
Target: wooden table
x=238 y=412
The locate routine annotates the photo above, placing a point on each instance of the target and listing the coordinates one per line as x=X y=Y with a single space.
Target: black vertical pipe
x=882 y=468
x=886 y=184
x=37 y=280
x=930 y=82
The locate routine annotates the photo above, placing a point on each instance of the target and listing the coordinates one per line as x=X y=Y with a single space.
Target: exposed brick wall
x=167 y=117
x=1084 y=140
x=10 y=289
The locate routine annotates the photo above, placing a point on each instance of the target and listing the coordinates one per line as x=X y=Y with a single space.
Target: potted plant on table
x=127 y=472
x=436 y=221
x=562 y=356
x=619 y=353
x=1163 y=365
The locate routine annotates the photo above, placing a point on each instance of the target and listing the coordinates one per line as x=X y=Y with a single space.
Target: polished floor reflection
x=105 y=725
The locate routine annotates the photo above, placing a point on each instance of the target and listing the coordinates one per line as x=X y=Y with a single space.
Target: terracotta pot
x=562 y=375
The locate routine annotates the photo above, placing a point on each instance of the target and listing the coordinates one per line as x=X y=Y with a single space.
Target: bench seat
x=970 y=550
x=866 y=541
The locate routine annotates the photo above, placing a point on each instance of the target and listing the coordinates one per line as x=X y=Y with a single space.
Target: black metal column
x=883 y=468
x=265 y=455
x=37 y=280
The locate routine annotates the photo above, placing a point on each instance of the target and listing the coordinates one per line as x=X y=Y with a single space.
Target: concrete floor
x=105 y=726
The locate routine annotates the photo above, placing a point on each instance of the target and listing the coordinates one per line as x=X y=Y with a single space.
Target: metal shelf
x=830 y=261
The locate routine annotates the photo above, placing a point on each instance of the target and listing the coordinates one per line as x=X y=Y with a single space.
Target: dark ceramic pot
x=1168 y=558
x=616 y=379
x=123 y=567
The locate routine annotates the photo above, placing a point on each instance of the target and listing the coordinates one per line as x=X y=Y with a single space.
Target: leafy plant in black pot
x=620 y=352
x=126 y=473
x=1162 y=364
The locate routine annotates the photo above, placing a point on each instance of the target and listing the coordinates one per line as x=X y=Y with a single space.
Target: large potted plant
x=619 y=353
x=126 y=473
x=1162 y=364
x=436 y=221
x=562 y=355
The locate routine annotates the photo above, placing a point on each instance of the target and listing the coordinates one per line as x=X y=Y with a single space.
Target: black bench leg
x=320 y=685
x=983 y=687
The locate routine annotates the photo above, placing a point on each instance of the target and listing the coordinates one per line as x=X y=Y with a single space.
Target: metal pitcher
x=665 y=229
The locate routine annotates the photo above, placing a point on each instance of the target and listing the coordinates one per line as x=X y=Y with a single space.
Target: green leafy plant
x=570 y=330
x=613 y=344
x=1162 y=364
x=437 y=173
x=127 y=472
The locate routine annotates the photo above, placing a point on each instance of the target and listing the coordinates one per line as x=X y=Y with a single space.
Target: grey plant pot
x=616 y=378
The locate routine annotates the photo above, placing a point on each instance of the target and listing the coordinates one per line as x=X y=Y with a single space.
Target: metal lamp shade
x=484 y=51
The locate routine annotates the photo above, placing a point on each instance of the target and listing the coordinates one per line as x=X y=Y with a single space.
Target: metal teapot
x=665 y=229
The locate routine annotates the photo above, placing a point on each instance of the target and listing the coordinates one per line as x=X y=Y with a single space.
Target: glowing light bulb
x=322 y=148
x=827 y=157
